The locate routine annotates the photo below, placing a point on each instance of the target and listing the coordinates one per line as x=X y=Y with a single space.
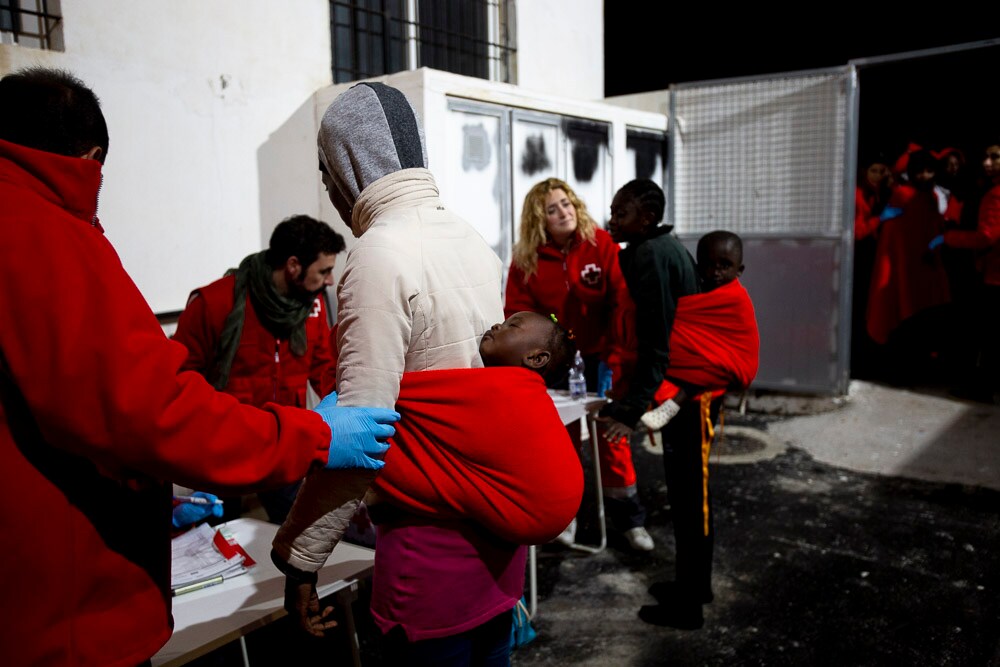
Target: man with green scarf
x=261 y=332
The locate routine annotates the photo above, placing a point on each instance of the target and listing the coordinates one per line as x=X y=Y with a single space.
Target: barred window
x=375 y=37
x=33 y=23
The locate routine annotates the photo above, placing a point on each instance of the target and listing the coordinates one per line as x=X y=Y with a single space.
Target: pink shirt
x=442 y=579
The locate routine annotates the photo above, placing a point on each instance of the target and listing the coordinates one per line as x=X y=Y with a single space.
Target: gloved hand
x=185 y=514
x=936 y=242
x=890 y=212
x=603 y=379
x=357 y=434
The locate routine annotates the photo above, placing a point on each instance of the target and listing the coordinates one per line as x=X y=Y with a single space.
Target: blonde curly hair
x=532 y=234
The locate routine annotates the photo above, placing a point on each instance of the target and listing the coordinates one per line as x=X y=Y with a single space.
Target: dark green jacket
x=658 y=272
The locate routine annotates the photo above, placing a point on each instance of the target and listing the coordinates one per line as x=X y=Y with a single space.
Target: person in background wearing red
x=908 y=284
x=261 y=332
x=871 y=194
x=96 y=416
x=566 y=265
x=985 y=240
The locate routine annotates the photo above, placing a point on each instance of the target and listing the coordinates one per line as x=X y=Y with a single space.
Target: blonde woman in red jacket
x=567 y=266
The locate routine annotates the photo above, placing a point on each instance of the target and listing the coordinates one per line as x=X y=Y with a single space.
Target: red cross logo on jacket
x=591 y=275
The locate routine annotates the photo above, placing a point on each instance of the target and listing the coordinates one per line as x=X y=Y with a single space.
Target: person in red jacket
x=97 y=418
x=985 y=240
x=909 y=288
x=871 y=195
x=567 y=266
x=261 y=332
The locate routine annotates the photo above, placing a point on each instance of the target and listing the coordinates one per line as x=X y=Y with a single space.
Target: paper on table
x=195 y=558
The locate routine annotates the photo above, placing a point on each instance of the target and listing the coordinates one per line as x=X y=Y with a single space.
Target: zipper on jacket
x=277 y=365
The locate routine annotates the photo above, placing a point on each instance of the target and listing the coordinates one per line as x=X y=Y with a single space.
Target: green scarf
x=282 y=316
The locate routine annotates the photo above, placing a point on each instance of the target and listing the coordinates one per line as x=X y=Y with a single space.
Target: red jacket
x=585 y=290
x=865 y=223
x=96 y=418
x=985 y=237
x=904 y=282
x=264 y=368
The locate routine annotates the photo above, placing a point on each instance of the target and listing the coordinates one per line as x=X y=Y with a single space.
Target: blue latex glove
x=603 y=379
x=890 y=212
x=357 y=434
x=186 y=514
x=936 y=242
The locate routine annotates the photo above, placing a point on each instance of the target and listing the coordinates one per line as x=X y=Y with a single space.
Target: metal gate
x=772 y=160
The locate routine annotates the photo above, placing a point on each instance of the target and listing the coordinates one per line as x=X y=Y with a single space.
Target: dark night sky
x=946 y=100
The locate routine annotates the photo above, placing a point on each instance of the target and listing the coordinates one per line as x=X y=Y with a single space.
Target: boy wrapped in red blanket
x=714 y=343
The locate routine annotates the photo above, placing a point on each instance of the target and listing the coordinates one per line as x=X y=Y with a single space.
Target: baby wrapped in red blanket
x=484 y=444
x=714 y=344
x=488 y=444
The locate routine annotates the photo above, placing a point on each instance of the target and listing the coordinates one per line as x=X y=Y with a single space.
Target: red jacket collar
x=68 y=182
x=552 y=250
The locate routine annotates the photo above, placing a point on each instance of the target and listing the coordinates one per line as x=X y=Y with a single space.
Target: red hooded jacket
x=984 y=238
x=264 y=368
x=96 y=418
x=584 y=288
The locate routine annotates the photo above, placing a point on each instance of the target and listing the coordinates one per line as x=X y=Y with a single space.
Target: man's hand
x=890 y=212
x=302 y=604
x=357 y=435
x=186 y=514
x=614 y=429
x=604 y=377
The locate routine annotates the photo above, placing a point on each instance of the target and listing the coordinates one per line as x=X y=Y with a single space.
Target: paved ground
x=869 y=539
x=856 y=532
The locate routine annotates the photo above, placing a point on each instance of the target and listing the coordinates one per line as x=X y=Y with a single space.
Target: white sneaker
x=658 y=417
x=567 y=538
x=639 y=539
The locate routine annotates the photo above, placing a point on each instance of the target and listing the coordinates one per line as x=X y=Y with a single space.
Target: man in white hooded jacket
x=419 y=289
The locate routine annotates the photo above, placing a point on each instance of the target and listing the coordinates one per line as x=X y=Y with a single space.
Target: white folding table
x=211 y=617
x=571 y=411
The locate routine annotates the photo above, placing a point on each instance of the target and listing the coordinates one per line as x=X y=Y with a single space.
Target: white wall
x=560 y=47
x=212 y=106
x=191 y=91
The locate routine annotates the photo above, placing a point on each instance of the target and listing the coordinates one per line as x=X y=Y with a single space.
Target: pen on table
x=195 y=500
x=190 y=588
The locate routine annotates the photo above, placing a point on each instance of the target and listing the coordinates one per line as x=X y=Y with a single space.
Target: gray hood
x=369 y=131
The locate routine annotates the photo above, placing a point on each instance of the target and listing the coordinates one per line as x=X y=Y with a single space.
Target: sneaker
x=658 y=417
x=567 y=538
x=639 y=539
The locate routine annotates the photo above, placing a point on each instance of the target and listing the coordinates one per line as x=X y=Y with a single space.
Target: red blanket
x=714 y=342
x=485 y=444
x=906 y=278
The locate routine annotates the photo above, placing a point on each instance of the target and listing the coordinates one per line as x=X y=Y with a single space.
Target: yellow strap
x=707 y=435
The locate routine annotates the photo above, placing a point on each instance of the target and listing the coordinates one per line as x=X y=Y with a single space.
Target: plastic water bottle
x=577 y=381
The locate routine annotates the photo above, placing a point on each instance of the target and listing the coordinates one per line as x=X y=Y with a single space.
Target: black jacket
x=658 y=272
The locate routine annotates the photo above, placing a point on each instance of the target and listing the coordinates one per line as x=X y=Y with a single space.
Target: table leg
x=344 y=599
x=243 y=650
x=601 y=523
x=532 y=580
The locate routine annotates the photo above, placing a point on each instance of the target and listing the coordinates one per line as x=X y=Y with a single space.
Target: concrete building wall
x=560 y=47
x=210 y=107
x=191 y=90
